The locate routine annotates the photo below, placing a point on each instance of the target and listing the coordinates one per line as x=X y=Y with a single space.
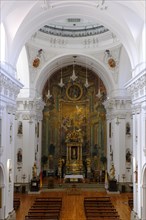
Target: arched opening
x=74 y=122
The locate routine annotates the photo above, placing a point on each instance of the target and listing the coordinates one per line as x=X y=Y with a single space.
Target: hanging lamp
x=73 y=76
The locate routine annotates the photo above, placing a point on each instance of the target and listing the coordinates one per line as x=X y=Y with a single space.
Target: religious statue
x=74 y=154
x=34 y=171
x=128 y=156
x=112 y=172
x=88 y=161
x=19 y=156
x=19 y=127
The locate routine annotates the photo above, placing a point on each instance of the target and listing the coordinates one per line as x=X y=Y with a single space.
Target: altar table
x=73 y=178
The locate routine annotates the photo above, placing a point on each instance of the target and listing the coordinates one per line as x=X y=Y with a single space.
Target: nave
x=73 y=204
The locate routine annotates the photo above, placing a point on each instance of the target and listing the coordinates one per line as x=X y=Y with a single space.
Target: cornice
x=137 y=85
x=30 y=109
x=136 y=109
x=117 y=103
x=11 y=109
x=10 y=87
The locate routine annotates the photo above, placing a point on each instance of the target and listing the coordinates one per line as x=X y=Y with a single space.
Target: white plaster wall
x=9 y=90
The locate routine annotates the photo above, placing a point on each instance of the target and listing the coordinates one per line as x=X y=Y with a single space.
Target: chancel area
x=74 y=123
x=72 y=110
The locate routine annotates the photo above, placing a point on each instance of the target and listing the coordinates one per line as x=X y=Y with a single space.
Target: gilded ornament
x=112 y=62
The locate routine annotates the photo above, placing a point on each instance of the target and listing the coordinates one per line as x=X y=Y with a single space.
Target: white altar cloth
x=73 y=177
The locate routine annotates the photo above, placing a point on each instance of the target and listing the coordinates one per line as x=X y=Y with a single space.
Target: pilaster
x=137 y=88
x=119 y=137
x=28 y=138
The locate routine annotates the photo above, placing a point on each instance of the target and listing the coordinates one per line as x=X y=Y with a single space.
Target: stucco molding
x=137 y=86
x=10 y=88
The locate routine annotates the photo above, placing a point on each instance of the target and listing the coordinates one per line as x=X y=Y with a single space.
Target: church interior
x=73 y=110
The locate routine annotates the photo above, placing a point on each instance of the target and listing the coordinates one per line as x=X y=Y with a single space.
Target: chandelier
x=61 y=84
x=48 y=94
x=86 y=83
x=73 y=76
x=99 y=95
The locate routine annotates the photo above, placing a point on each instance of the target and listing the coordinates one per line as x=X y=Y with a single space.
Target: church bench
x=100 y=208
x=100 y=211
x=27 y=217
x=45 y=207
x=103 y=218
x=102 y=215
x=130 y=202
x=101 y=198
x=44 y=214
x=16 y=203
x=44 y=210
x=99 y=205
x=47 y=202
x=55 y=199
x=104 y=212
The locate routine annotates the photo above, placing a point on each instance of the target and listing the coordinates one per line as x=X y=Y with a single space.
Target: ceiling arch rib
x=38 y=21
x=92 y=64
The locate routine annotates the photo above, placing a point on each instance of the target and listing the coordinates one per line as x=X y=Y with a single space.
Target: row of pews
x=130 y=202
x=47 y=208
x=100 y=208
x=16 y=203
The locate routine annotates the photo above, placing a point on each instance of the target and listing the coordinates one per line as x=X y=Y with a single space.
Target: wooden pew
x=55 y=199
x=45 y=208
x=16 y=203
x=44 y=211
x=99 y=208
x=103 y=218
x=99 y=198
x=102 y=215
x=130 y=202
x=41 y=217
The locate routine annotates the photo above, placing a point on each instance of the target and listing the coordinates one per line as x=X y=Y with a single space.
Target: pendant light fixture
x=98 y=95
x=49 y=93
x=73 y=76
x=86 y=83
x=61 y=84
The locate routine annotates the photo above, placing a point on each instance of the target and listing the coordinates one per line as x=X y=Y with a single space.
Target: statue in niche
x=19 y=156
x=34 y=171
x=52 y=149
x=128 y=156
x=95 y=150
x=95 y=163
x=74 y=153
x=127 y=128
x=112 y=172
x=51 y=163
x=19 y=127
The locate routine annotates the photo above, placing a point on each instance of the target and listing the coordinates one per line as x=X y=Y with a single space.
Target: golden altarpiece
x=74 y=122
x=74 y=163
